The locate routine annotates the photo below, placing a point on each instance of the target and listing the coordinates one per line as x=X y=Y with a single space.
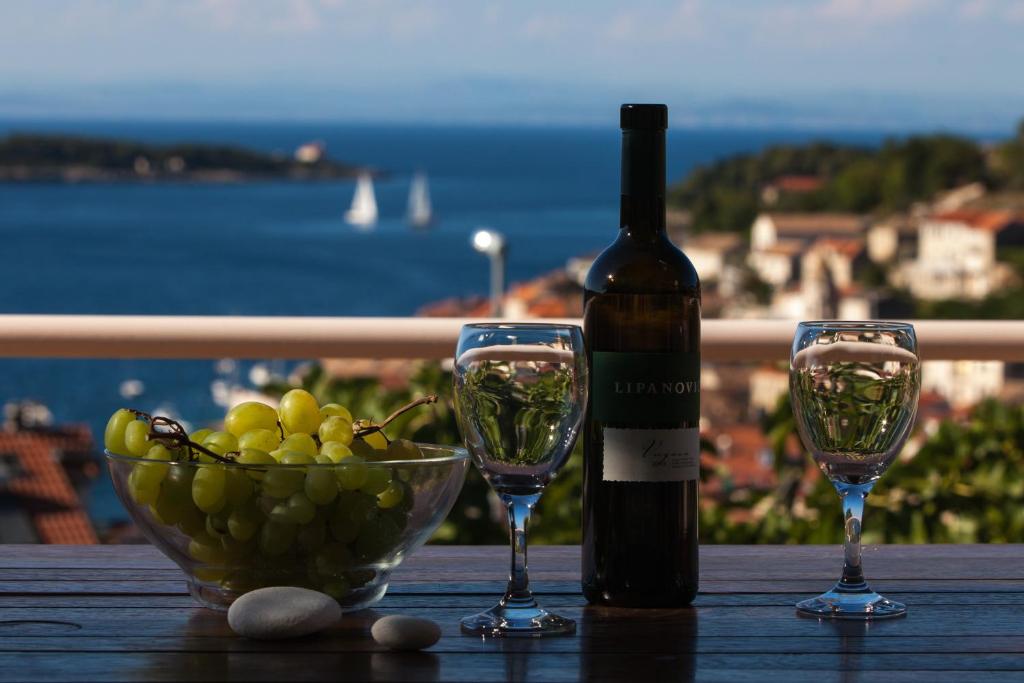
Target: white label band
x=651 y=454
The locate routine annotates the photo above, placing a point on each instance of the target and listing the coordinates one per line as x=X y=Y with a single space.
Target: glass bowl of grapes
x=297 y=495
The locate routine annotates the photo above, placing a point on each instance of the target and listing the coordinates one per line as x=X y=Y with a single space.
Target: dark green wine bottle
x=641 y=445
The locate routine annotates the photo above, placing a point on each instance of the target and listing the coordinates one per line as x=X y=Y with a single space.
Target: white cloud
x=545 y=27
x=1015 y=12
x=975 y=9
x=871 y=10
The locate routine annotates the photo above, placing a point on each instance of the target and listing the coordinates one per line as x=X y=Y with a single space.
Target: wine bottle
x=641 y=444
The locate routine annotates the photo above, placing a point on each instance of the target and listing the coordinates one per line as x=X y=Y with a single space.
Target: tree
x=964 y=485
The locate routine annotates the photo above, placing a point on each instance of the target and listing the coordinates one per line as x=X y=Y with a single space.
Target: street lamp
x=492 y=243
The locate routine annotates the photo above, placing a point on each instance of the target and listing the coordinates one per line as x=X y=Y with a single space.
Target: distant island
x=26 y=157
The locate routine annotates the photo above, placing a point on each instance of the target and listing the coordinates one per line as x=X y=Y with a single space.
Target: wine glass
x=854 y=387
x=520 y=392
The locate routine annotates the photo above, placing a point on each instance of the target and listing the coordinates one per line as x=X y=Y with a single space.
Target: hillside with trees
x=727 y=195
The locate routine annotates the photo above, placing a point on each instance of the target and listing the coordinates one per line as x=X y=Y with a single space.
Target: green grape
x=244 y=522
x=408 y=500
x=281 y=482
x=136 y=438
x=192 y=522
x=299 y=443
x=298 y=509
x=377 y=479
x=296 y=458
x=238 y=487
x=266 y=503
x=211 y=574
x=398 y=515
x=250 y=415
x=335 y=409
x=220 y=442
x=113 y=435
x=199 y=435
x=376 y=440
x=392 y=495
x=337 y=589
x=206 y=549
x=368 y=452
x=255 y=459
x=377 y=538
x=321 y=485
x=261 y=439
x=332 y=559
x=236 y=551
x=276 y=538
x=350 y=514
x=217 y=525
x=336 y=451
x=175 y=494
x=361 y=448
x=404 y=449
x=140 y=493
x=322 y=459
x=312 y=535
x=156 y=514
x=299 y=412
x=208 y=488
x=143 y=482
x=352 y=473
x=336 y=428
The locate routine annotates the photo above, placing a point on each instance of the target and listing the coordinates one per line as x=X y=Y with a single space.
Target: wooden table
x=106 y=613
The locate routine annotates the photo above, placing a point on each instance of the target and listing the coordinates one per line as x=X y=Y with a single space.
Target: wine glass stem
x=853 y=496
x=519 y=508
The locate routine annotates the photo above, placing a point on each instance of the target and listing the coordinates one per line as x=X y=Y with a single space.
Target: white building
x=956 y=255
x=768 y=384
x=963 y=383
x=778 y=240
x=711 y=253
x=892 y=239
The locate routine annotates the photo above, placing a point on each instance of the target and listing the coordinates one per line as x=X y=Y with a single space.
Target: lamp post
x=492 y=243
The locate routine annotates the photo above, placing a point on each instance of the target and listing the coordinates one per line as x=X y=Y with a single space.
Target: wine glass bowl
x=854 y=389
x=520 y=393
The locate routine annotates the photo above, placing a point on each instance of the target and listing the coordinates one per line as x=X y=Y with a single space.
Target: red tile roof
x=740 y=449
x=44 y=489
x=846 y=246
x=992 y=221
x=798 y=183
x=810 y=224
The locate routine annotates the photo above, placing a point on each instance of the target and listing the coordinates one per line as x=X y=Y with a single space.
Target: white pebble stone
x=282 y=612
x=400 y=632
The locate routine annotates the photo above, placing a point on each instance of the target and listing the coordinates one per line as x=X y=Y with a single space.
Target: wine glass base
x=519 y=622
x=838 y=604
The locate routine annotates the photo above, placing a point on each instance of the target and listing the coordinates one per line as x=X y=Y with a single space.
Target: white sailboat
x=363 y=212
x=420 y=214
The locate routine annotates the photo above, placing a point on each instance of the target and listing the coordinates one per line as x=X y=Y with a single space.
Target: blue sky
x=897 y=64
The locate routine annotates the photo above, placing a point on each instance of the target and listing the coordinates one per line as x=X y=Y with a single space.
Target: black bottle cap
x=643 y=117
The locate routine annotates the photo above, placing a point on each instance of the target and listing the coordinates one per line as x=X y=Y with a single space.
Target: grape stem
x=178 y=436
x=373 y=428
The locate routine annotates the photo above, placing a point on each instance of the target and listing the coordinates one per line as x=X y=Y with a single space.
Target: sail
x=363 y=212
x=420 y=212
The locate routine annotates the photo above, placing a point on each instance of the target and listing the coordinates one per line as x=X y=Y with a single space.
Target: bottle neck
x=642 y=209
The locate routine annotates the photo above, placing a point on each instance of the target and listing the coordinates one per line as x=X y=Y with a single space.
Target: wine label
x=648 y=406
x=651 y=454
x=646 y=389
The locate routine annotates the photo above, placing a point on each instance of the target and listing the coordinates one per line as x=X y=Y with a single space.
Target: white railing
x=92 y=336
